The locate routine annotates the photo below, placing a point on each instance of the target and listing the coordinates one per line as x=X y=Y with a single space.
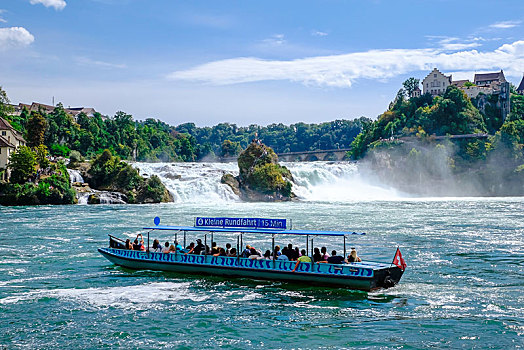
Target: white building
x=435 y=83
x=10 y=140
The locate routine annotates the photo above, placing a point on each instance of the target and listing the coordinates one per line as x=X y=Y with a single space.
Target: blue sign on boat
x=241 y=222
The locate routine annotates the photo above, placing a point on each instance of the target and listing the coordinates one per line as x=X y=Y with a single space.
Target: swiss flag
x=399 y=260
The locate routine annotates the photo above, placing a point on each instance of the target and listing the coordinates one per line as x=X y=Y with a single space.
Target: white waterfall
x=75 y=176
x=313 y=181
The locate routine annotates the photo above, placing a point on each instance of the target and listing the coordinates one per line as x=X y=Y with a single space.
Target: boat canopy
x=253 y=230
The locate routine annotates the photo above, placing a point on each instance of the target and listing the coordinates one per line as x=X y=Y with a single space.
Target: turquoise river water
x=463 y=288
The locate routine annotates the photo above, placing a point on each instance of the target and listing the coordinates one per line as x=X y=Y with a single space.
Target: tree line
x=153 y=140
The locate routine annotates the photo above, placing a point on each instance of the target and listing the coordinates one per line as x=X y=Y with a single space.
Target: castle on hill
x=485 y=87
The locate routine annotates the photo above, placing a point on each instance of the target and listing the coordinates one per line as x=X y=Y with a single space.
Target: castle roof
x=521 y=85
x=490 y=76
x=459 y=83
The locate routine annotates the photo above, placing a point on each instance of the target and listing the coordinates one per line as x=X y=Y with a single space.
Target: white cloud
x=455 y=44
x=15 y=36
x=1 y=19
x=57 y=4
x=275 y=40
x=505 y=24
x=90 y=62
x=318 y=33
x=343 y=70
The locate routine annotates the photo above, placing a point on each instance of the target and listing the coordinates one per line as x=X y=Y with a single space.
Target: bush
x=58 y=150
x=74 y=158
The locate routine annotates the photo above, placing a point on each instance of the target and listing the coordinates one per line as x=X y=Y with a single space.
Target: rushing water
x=463 y=287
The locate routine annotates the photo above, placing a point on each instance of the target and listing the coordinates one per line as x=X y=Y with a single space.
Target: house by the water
x=10 y=140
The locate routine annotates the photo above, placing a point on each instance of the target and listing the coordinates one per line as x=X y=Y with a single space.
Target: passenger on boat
x=324 y=253
x=296 y=254
x=353 y=257
x=289 y=252
x=220 y=252
x=254 y=254
x=228 y=248
x=214 y=249
x=129 y=246
x=247 y=252
x=166 y=248
x=190 y=248
x=302 y=259
x=157 y=248
x=316 y=255
x=139 y=244
x=277 y=252
x=335 y=259
x=178 y=246
x=172 y=249
x=199 y=248
x=232 y=252
x=283 y=257
x=267 y=255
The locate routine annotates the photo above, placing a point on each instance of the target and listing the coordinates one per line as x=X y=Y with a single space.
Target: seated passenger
x=296 y=254
x=166 y=248
x=220 y=252
x=157 y=248
x=129 y=246
x=228 y=248
x=353 y=257
x=277 y=252
x=323 y=252
x=247 y=252
x=254 y=254
x=232 y=252
x=316 y=255
x=335 y=259
x=214 y=248
x=199 y=248
x=190 y=248
x=283 y=257
x=172 y=249
x=267 y=255
x=178 y=246
x=302 y=259
x=290 y=252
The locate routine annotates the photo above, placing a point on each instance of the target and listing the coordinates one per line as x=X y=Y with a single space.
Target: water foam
x=125 y=297
x=313 y=181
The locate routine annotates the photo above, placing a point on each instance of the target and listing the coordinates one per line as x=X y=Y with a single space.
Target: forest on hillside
x=402 y=149
x=154 y=140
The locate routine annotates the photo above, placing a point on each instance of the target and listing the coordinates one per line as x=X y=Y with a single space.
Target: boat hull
x=358 y=276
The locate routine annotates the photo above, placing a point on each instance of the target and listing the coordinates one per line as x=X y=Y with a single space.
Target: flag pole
x=393 y=261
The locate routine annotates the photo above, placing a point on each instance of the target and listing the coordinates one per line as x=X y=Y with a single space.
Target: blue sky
x=248 y=62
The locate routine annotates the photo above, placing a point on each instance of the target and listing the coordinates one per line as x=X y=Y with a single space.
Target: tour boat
x=365 y=275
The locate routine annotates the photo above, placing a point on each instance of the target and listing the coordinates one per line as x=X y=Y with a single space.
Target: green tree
x=5 y=107
x=230 y=149
x=410 y=85
x=36 y=127
x=22 y=164
x=41 y=156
